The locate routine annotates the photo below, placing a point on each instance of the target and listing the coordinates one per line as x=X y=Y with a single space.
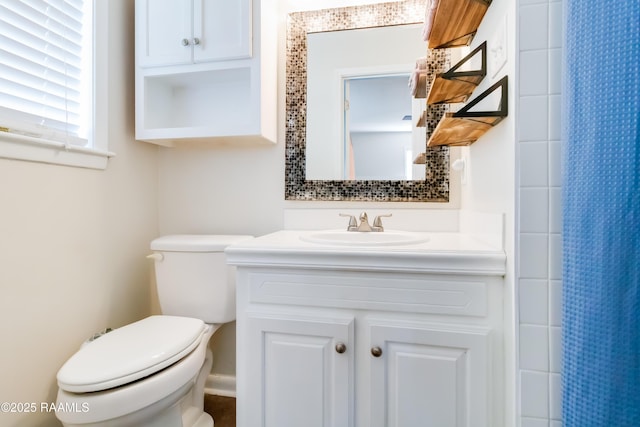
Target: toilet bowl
x=152 y=372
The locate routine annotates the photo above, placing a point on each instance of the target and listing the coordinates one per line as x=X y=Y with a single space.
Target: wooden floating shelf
x=455 y=22
x=422 y=120
x=456 y=86
x=465 y=127
x=455 y=131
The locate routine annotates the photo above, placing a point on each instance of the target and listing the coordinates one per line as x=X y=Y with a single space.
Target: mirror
x=359 y=80
x=304 y=138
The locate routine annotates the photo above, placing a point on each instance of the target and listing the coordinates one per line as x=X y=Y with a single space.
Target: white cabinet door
x=174 y=32
x=426 y=376
x=163 y=32
x=305 y=375
x=223 y=28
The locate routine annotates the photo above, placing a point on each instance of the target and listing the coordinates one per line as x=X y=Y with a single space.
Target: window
x=49 y=78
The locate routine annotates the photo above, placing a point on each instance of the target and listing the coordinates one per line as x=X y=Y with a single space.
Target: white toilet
x=152 y=372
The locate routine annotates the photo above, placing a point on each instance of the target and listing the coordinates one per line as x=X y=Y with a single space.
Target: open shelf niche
x=465 y=126
x=456 y=86
x=452 y=23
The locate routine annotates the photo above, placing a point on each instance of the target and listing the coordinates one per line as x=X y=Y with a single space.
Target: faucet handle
x=353 y=224
x=377 y=222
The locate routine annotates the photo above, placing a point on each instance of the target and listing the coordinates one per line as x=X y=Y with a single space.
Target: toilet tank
x=193 y=278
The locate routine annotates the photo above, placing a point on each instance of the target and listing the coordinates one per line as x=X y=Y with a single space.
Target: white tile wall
x=534 y=394
x=540 y=212
x=534 y=348
x=533 y=119
x=533 y=298
x=535 y=172
x=532 y=81
x=534 y=208
x=534 y=26
x=534 y=255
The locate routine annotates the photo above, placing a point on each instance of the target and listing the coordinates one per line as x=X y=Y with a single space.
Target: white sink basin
x=355 y=238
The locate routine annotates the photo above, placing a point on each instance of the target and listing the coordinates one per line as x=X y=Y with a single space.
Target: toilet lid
x=129 y=353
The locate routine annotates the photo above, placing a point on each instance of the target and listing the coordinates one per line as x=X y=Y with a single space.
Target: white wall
x=491 y=175
x=72 y=245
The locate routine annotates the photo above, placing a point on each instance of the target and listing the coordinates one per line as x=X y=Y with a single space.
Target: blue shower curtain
x=601 y=214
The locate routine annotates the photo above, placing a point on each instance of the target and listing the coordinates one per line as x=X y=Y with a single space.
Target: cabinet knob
x=185 y=42
x=376 y=351
x=196 y=41
x=341 y=347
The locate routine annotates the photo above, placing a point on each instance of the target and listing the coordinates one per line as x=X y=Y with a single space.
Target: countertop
x=445 y=253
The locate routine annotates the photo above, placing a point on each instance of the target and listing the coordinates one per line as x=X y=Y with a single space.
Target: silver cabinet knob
x=185 y=42
x=341 y=347
x=196 y=41
x=376 y=351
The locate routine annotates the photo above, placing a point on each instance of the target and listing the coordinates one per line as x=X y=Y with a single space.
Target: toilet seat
x=127 y=405
x=130 y=353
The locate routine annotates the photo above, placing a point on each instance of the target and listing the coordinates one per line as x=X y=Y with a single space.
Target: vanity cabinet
x=206 y=72
x=310 y=371
x=414 y=373
x=182 y=32
x=356 y=338
x=427 y=375
x=303 y=370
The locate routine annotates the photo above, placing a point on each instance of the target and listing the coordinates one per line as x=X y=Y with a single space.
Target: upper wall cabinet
x=181 y=32
x=206 y=71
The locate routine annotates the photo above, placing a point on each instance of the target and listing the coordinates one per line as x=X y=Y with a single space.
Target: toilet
x=152 y=372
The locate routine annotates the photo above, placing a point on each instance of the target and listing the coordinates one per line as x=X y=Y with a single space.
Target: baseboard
x=221 y=385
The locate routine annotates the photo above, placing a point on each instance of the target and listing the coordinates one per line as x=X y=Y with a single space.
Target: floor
x=222 y=409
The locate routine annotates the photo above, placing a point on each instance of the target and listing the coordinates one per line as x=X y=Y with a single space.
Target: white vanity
x=369 y=333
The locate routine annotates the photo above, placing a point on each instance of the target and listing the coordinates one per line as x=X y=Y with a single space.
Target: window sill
x=20 y=147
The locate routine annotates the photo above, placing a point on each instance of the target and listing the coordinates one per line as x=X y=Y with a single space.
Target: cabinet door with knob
x=222 y=30
x=302 y=371
x=176 y=32
x=426 y=375
x=163 y=32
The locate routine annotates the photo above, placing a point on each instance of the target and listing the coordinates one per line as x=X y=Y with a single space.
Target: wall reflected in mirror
x=358 y=84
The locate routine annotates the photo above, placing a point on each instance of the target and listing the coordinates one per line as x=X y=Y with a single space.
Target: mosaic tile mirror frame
x=435 y=186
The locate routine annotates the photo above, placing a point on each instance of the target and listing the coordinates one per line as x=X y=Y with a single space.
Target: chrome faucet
x=364 y=223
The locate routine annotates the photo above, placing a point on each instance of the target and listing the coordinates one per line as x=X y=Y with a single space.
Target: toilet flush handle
x=156 y=257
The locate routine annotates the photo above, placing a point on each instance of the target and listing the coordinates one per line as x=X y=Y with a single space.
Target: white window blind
x=46 y=71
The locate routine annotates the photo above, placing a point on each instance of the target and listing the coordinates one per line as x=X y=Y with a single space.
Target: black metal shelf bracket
x=503 y=109
x=453 y=74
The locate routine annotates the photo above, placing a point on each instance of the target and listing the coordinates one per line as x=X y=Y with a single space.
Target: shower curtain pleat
x=601 y=214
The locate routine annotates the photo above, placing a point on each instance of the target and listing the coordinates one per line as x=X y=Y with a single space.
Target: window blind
x=46 y=69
